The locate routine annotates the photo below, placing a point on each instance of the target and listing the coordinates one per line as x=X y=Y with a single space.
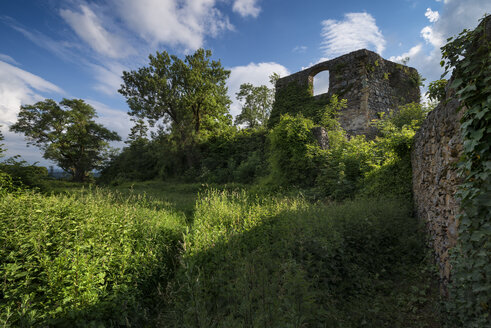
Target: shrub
x=294 y=153
x=24 y=175
x=89 y=260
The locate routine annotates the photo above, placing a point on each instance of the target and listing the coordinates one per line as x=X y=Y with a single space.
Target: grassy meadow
x=193 y=255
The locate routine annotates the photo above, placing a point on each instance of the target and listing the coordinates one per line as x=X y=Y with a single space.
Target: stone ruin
x=369 y=83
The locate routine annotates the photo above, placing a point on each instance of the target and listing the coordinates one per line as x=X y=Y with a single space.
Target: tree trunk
x=79 y=175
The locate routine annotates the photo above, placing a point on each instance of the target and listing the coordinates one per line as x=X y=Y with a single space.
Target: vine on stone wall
x=294 y=99
x=469 y=54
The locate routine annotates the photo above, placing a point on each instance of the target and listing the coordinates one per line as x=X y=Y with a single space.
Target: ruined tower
x=369 y=83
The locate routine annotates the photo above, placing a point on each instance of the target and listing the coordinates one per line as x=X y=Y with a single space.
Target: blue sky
x=78 y=49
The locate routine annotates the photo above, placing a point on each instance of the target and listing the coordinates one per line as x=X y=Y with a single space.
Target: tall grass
x=233 y=259
x=282 y=262
x=91 y=257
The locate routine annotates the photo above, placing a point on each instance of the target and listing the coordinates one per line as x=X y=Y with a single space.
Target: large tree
x=189 y=95
x=67 y=133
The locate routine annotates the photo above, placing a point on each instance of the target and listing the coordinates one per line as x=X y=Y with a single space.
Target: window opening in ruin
x=321 y=83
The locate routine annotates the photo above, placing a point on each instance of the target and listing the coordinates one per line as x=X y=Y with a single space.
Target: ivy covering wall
x=469 y=55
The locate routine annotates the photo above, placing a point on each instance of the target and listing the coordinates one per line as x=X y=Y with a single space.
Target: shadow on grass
x=357 y=265
x=360 y=264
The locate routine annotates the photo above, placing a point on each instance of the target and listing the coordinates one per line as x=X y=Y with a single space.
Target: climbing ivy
x=470 y=288
x=295 y=99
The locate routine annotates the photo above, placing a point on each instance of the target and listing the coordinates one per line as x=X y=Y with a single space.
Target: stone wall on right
x=436 y=151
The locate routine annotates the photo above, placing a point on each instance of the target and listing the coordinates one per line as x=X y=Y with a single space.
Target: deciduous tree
x=67 y=133
x=256 y=105
x=186 y=94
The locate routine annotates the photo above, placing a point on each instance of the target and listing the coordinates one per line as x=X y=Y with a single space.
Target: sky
x=78 y=49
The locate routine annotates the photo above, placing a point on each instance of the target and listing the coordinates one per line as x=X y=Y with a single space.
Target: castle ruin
x=369 y=83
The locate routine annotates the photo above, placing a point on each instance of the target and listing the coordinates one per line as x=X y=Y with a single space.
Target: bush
x=89 y=260
x=294 y=153
x=24 y=175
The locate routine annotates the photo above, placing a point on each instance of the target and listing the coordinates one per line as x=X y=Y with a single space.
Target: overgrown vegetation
x=99 y=257
x=269 y=230
x=470 y=288
x=67 y=135
x=84 y=259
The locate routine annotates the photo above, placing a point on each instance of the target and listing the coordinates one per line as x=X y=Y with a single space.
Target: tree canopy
x=188 y=95
x=257 y=103
x=67 y=133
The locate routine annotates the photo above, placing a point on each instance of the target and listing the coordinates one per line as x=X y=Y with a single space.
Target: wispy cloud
x=89 y=28
x=299 y=49
x=451 y=19
x=355 y=31
x=8 y=59
x=18 y=87
x=173 y=22
x=114 y=119
x=246 y=8
x=414 y=51
x=108 y=77
x=61 y=49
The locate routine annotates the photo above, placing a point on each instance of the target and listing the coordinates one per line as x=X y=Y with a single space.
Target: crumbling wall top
x=369 y=83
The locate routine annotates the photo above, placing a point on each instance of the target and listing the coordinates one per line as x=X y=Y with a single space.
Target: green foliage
x=190 y=95
x=390 y=170
x=295 y=99
x=68 y=134
x=93 y=259
x=100 y=258
x=235 y=156
x=436 y=90
x=6 y=184
x=256 y=105
x=470 y=286
x=294 y=152
x=379 y=167
x=348 y=160
x=23 y=175
x=137 y=162
x=238 y=157
x=276 y=262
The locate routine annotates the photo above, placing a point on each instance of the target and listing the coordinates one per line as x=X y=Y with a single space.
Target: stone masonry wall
x=369 y=83
x=436 y=151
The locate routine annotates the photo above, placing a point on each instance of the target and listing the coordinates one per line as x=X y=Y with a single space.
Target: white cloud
x=432 y=36
x=453 y=17
x=414 y=51
x=321 y=83
x=89 y=28
x=246 y=8
x=108 y=77
x=172 y=22
x=432 y=15
x=61 y=49
x=256 y=74
x=300 y=49
x=356 y=31
x=19 y=87
x=8 y=59
x=114 y=119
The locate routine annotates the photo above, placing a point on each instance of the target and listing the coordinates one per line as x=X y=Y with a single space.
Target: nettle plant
x=469 y=56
